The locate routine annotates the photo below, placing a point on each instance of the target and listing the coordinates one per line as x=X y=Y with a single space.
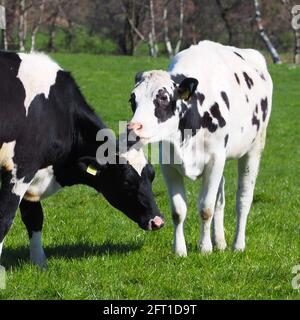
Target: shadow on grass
x=12 y=258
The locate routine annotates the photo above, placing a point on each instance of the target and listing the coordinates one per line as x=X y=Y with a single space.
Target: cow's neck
x=86 y=127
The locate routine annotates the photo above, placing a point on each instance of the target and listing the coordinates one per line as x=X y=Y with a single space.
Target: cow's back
x=35 y=108
x=239 y=73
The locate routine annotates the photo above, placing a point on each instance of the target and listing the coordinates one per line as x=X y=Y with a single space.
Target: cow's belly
x=43 y=185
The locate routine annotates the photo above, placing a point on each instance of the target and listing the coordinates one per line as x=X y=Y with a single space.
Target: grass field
x=96 y=252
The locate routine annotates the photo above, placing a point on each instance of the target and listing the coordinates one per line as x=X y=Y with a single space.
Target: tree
x=296 y=31
x=37 y=24
x=263 y=34
x=173 y=51
x=152 y=33
x=4 y=33
x=134 y=15
x=225 y=11
x=22 y=24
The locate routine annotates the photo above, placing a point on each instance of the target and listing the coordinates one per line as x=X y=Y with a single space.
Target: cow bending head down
x=156 y=102
x=48 y=140
x=127 y=187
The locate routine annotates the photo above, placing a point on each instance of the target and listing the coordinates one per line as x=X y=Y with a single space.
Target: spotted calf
x=213 y=104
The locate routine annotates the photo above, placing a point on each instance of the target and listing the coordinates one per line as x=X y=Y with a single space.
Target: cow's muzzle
x=153 y=224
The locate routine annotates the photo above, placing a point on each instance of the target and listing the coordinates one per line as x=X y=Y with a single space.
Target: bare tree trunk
x=181 y=18
x=166 y=32
x=4 y=33
x=296 y=31
x=52 y=32
x=152 y=34
x=194 y=34
x=297 y=46
x=263 y=34
x=37 y=26
x=22 y=25
x=168 y=42
x=224 y=15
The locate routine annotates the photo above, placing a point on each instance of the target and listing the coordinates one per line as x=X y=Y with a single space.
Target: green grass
x=96 y=252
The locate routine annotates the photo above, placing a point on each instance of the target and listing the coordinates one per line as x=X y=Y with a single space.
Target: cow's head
x=127 y=185
x=155 y=102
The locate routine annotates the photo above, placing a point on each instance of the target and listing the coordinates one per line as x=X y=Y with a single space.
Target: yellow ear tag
x=185 y=95
x=91 y=171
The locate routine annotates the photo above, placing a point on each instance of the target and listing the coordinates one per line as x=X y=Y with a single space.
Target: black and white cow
x=48 y=141
x=212 y=104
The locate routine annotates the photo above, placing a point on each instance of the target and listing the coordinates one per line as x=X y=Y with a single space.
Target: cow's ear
x=138 y=77
x=187 y=88
x=90 y=166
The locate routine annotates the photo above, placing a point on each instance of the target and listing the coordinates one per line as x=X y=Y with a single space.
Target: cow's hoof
x=221 y=245
x=40 y=261
x=181 y=253
x=239 y=247
x=206 y=248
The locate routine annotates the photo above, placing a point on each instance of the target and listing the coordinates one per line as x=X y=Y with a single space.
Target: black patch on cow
x=191 y=120
x=9 y=203
x=255 y=121
x=256 y=109
x=215 y=111
x=178 y=78
x=183 y=109
x=207 y=122
x=164 y=106
x=32 y=216
x=200 y=97
x=264 y=108
x=132 y=101
x=225 y=98
x=247 y=98
x=237 y=79
x=226 y=140
x=248 y=80
x=239 y=55
x=262 y=76
x=12 y=97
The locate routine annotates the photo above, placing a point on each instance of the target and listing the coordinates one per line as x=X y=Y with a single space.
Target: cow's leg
x=175 y=185
x=248 y=167
x=33 y=217
x=218 y=219
x=212 y=176
x=11 y=193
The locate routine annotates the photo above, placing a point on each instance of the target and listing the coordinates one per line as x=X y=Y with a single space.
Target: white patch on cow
x=7 y=153
x=37 y=73
x=19 y=186
x=136 y=159
x=37 y=255
x=43 y=185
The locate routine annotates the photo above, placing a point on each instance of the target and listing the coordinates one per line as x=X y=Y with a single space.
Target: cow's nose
x=135 y=126
x=156 y=223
